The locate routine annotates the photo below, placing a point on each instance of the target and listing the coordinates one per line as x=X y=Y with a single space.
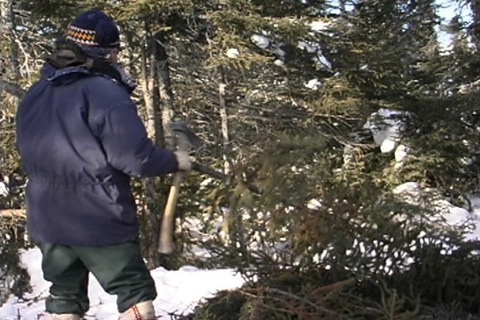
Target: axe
x=185 y=140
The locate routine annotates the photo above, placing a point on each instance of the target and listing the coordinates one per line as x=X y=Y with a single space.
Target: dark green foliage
x=226 y=305
x=401 y=257
x=437 y=286
x=14 y=279
x=441 y=278
x=445 y=155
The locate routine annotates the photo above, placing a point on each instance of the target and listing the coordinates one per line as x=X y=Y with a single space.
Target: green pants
x=119 y=269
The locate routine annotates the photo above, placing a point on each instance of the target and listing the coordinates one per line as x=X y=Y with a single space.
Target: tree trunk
x=9 y=64
x=8 y=27
x=152 y=203
x=11 y=88
x=167 y=116
x=341 y=6
x=222 y=110
x=233 y=230
x=165 y=90
x=224 y=123
x=475 y=7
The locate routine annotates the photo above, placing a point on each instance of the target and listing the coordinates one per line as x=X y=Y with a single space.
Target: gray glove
x=183 y=159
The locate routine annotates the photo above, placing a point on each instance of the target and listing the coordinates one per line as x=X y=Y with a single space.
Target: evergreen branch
x=11 y=88
x=221 y=176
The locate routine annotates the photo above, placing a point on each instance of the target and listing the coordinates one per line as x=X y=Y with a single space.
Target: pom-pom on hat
x=93 y=30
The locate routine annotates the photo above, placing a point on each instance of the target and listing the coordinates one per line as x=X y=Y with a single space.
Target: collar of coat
x=68 y=59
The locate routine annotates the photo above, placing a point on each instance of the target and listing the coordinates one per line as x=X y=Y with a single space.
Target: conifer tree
x=280 y=93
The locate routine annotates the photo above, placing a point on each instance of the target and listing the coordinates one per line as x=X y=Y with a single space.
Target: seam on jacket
x=62 y=182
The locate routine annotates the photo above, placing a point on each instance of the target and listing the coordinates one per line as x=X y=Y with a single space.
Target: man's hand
x=183 y=159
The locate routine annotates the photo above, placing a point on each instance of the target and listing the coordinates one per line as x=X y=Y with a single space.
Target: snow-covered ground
x=179 y=291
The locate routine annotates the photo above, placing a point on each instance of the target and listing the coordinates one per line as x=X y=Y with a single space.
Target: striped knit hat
x=95 y=32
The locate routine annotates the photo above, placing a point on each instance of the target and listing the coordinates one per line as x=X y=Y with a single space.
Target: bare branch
x=12 y=213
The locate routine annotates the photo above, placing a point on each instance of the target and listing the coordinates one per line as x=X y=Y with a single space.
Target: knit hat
x=95 y=32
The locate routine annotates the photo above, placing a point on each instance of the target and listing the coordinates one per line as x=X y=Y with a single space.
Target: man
x=80 y=140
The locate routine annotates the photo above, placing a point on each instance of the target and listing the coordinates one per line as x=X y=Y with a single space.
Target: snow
x=4 y=191
x=320 y=25
x=385 y=127
x=261 y=41
x=179 y=291
x=313 y=84
x=401 y=153
x=265 y=42
x=452 y=215
x=233 y=53
x=321 y=62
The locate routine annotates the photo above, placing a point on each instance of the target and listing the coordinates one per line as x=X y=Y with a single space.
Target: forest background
x=285 y=95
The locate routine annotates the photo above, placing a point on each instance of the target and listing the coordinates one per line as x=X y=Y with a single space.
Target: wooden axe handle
x=165 y=243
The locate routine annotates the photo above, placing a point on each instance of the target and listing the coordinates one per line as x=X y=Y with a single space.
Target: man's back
x=80 y=139
x=54 y=137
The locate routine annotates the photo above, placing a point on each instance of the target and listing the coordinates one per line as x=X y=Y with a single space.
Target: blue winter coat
x=80 y=140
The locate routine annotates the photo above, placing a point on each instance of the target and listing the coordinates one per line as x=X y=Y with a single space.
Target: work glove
x=183 y=159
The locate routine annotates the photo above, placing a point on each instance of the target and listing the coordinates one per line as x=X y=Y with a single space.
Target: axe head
x=186 y=138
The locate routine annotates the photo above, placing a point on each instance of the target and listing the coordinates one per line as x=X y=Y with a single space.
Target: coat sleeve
x=125 y=142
